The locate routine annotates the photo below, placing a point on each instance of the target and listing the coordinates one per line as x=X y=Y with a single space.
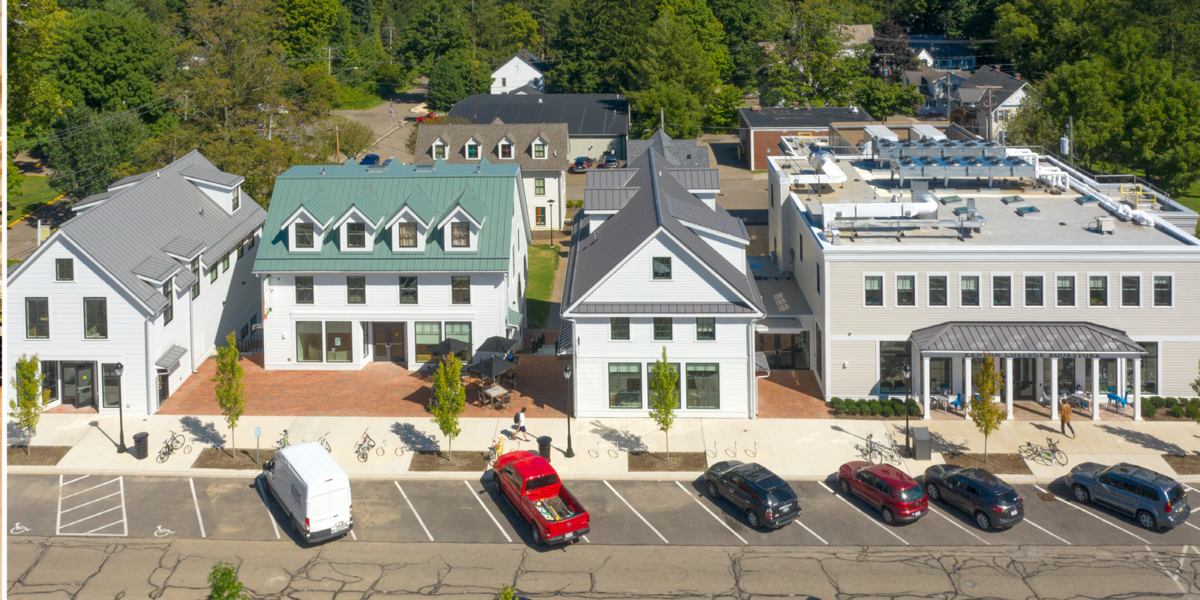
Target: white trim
x=439 y=143
x=690 y=225
x=882 y=289
x=1161 y=274
x=459 y=209
x=1075 y=289
x=353 y=210
x=1107 y=290
x=696 y=330
x=896 y=285
x=400 y=215
x=1121 y=290
x=992 y=280
x=1024 y=291
x=21 y=267
x=512 y=155
x=929 y=289
x=318 y=239
x=295 y=215
x=979 y=291
x=468 y=144
x=545 y=148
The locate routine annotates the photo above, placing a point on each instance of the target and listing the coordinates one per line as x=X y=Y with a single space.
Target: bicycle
x=364 y=446
x=382 y=449
x=283 y=441
x=1059 y=455
x=877 y=453
x=495 y=450
x=1034 y=452
x=324 y=444
x=173 y=443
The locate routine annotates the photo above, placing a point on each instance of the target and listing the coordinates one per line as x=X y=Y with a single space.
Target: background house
x=523 y=70
x=943 y=54
x=677 y=153
x=761 y=129
x=988 y=99
x=596 y=123
x=935 y=86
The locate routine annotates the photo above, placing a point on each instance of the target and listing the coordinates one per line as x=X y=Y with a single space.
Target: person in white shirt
x=521 y=425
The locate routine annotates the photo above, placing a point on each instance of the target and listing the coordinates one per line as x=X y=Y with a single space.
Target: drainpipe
x=753 y=370
x=192 y=325
x=150 y=372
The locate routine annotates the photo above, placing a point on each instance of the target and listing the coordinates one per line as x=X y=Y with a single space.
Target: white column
x=1039 y=384
x=1008 y=386
x=1054 y=389
x=925 y=386
x=1119 y=389
x=1137 y=389
x=1095 y=389
x=966 y=388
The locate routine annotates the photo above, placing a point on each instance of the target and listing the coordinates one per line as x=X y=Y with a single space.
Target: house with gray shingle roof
x=679 y=153
x=126 y=299
x=377 y=264
x=666 y=271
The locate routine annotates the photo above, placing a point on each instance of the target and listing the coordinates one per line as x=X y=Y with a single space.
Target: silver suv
x=1155 y=500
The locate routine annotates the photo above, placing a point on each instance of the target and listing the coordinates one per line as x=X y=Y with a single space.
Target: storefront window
x=941 y=375
x=624 y=385
x=50 y=379
x=652 y=396
x=308 y=341
x=112 y=386
x=1066 y=375
x=427 y=334
x=892 y=357
x=338 y=339
x=703 y=385
x=1149 y=369
x=462 y=333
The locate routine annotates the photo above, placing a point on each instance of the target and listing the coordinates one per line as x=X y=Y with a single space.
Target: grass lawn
x=543 y=262
x=35 y=193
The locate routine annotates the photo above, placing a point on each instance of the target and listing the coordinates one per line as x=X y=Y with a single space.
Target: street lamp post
x=907 y=398
x=119 y=370
x=570 y=453
x=550 y=221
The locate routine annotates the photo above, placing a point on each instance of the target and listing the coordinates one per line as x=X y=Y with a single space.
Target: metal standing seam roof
x=170 y=357
x=212 y=176
x=594 y=200
x=606 y=308
x=584 y=114
x=127 y=233
x=1059 y=338
x=488 y=189
x=489 y=136
x=606 y=188
x=183 y=246
x=816 y=117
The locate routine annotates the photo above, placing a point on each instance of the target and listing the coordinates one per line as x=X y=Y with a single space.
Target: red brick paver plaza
x=791 y=395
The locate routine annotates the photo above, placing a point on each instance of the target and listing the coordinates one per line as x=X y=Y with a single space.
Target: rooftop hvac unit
x=1105 y=224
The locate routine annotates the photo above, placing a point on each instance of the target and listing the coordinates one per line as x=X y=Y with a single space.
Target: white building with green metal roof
x=363 y=264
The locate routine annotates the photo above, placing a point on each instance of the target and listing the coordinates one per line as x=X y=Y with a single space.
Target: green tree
x=449 y=400
x=723 y=108
x=322 y=91
x=223 y=583
x=506 y=592
x=26 y=408
x=664 y=383
x=680 y=108
x=672 y=54
x=882 y=100
x=1042 y=34
x=112 y=61
x=697 y=16
x=362 y=14
x=810 y=63
x=986 y=414
x=745 y=22
x=87 y=150
x=600 y=45
x=231 y=394
x=446 y=85
x=34 y=101
x=434 y=29
x=309 y=27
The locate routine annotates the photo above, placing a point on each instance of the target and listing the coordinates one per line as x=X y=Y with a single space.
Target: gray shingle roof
x=975 y=88
x=584 y=114
x=489 y=136
x=127 y=234
x=680 y=153
x=532 y=60
x=212 y=176
x=1035 y=338
x=816 y=117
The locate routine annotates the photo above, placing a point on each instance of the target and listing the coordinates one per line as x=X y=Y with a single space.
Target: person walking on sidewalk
x=1065 y=417
x=521 y=425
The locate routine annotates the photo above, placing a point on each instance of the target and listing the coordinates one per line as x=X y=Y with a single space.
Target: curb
x=19 y=219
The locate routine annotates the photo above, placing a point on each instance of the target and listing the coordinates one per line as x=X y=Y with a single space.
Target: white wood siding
x=734 y=252
x=514 y=74
x=690 y=281
x=555 y=190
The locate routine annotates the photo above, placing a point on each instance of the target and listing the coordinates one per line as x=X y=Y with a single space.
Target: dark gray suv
x=1155 y=500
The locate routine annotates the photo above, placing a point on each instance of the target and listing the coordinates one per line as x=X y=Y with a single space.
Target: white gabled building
x=667 y=270
x=151 y=275
x=379 y=263
x=523 y=70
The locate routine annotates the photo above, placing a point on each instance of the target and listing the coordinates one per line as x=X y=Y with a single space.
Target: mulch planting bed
x=680 y=461
x=1188 y=464
x=997 y=463
x=463 y=460
x=39 y=456
x=223 y=458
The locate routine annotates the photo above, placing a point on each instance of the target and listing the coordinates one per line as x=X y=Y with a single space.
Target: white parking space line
x=103 y=512
x=353 y=536
x=867 y=517
x=957 y=524
x=586 y=540
x=639 y=515
x=1099 y=518
x=414 y=511
x=60 y=482
x=77 y=518
x=485 y=509
x=93 y=532
x=1046 y=530
x=91 y=488
x=814 y=534
x=197 y=504
x=267 y=506
x=116 y=493
x=1190 y=525
x=723 y=523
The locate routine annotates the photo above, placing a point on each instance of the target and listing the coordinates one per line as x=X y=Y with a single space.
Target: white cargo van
x=313 y=489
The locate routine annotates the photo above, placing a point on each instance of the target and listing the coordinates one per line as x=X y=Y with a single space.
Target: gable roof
x=660 y=204
x=679 y=153
x=524 y=90
x=859 y=34
x=976 y=87
x=212 y=176
x=939 y=47
x=609 y=189
x=532 y=60
x=489 y=136
x=584 y=114
x=488 y=190
x=817 y=116
x=133 y=232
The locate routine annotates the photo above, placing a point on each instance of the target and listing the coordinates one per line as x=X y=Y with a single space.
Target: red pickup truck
x=533 y=489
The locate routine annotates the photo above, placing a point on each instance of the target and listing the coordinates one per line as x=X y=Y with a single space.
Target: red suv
x=898 y=497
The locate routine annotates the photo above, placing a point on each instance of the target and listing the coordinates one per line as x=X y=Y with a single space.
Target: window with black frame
x=460 y=289
x=941 y=375
x=408 y=290
x=111 y=386
x=703 y=386
x=873 y=290
x=338 y=341
x=356 y=235
x=652 y=396
x=309 y=346
x=937 y=290
x=706 y=329
x=1002 y=290
x=618 y=328
x=969 y=290
x=663 y=328
x=356 y=290
x=1066 y=290
x=892 y=358
x=95 y=318
x=624 y=385
x=50 y=379
x=1163 y=293
x=408 y=235
x=168 y=291
x=1149 y=369
x=304 y=235
x=195 y=267
x=304 y=289
x=462 y=333
x=425 y=335
x=1033 y=290
x=662 y=268
x=1131 y=290
x=37 y=318
x=64 y=269
x=460 y=235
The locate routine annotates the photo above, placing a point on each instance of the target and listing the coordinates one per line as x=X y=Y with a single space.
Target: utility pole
x=1071 y=134
x=328 y=60
x=661 y=119
x=337 y=140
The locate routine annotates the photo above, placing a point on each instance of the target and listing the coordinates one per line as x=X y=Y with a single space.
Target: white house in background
x=989 y=99
x=151 y=275
x=541 y=150
x=936 y=86
x=666 y=271
x=524 y=69
x=379 y=263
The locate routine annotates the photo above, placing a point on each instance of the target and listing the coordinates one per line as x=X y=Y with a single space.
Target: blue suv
x=1155 y=500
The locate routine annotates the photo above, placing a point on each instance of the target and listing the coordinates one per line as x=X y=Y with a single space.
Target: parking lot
x=471 y=511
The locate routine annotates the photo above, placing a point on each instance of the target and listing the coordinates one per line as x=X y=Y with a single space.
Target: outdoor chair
x=1120 y=402
x=957 y=403
x=483 y=399
x=502 y=401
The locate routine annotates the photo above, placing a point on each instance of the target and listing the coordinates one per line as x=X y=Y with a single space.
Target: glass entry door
x=785 y=351
x=389 y=342
x=79 y=383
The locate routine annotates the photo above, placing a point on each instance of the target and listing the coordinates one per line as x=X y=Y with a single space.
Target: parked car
x=581 y=165
x=1155 y=500
x=312 y=489
x=898 y=497
x=991 y=502
x=370 y=159
x=610 y=162
x=533 y=489
x=767 y=499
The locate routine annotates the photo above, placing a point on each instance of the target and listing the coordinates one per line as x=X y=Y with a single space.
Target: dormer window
x=460 y=235
x=356 y=235
x=506 y=150
x=439 y=151
x=304 y=235
x=237 y=200
x=407 y=233
x=539 y=149
x=472 y=150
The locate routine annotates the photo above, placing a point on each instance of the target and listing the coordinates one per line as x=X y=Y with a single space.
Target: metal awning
x=1024 y=340
x=566 y=337
x=780 y=326
x=171 y=357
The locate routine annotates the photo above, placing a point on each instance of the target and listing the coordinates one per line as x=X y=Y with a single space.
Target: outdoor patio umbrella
x=449 y=346
x=498 y=345
x=492 y=367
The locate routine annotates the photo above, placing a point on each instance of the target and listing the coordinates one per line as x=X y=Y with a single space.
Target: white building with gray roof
x=666 y=270
x=150 y=275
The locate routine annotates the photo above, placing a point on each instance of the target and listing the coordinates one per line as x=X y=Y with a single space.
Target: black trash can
x=141 y=445
x=544 y=447
x=921 y=448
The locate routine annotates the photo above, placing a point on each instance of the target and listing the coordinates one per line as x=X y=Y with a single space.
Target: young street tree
x=987 y=415
x=30 y=399
x=231 y=395
x=223 y=583
x=664 y=398
x=449 y=400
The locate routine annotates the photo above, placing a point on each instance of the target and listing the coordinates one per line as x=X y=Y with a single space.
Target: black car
x=369 y=160
x=992 y=503
x=581 y=165
x=610 y=162
x=767 y=499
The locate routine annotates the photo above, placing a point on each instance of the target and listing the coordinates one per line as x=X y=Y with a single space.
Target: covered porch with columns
x=1054 y=361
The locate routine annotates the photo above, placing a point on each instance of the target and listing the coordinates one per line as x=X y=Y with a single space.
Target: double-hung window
x=539 y=215
x=1097 y=290
x=539 y=186
x=873 y=290
x=618 y=328
x=1066 y=290
x=241 y=249
x=1164 y=294
x=304 y=289
x=195 y=267
x=408 y=290
x=906 y=290
x=439 y=151
x=937 y=290
x=1131 y=290
x=169 y=291
x=408 y=235
x=356 y=235
x=969 y=290
x=37 y=318
x=95 y=318
x=64 y=269
x=706 y=329
x=506 y=150
x=663 y=328
x=225 y=262
x=460 y=289
x=460 y=235
x=356 y=290
x=1002 y=290
x=1034 y=290
x=472 y=151
x=304 y=235
x=539 y=151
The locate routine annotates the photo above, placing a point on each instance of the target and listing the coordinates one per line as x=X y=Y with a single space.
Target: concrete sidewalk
x=802 y=449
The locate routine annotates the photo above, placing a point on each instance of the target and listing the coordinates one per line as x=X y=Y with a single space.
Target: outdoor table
x=941 y=400
x=494 y=392
x=1077 y=400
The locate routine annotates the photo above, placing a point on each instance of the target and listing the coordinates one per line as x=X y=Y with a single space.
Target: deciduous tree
x=986 y=414
x=881 y=99
x=449 y=400
x=30 y=399
x=231 y=394
x=223 y=583
x=664 y=399
x=112 y=61
x=87 y=150
x=681 y=109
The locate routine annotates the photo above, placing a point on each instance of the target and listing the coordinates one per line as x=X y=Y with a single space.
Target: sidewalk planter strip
x=997 y=463
x=39 y=456
x=221 y=458
x=657 y=461
x=464 y=461
x=1188 y=464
